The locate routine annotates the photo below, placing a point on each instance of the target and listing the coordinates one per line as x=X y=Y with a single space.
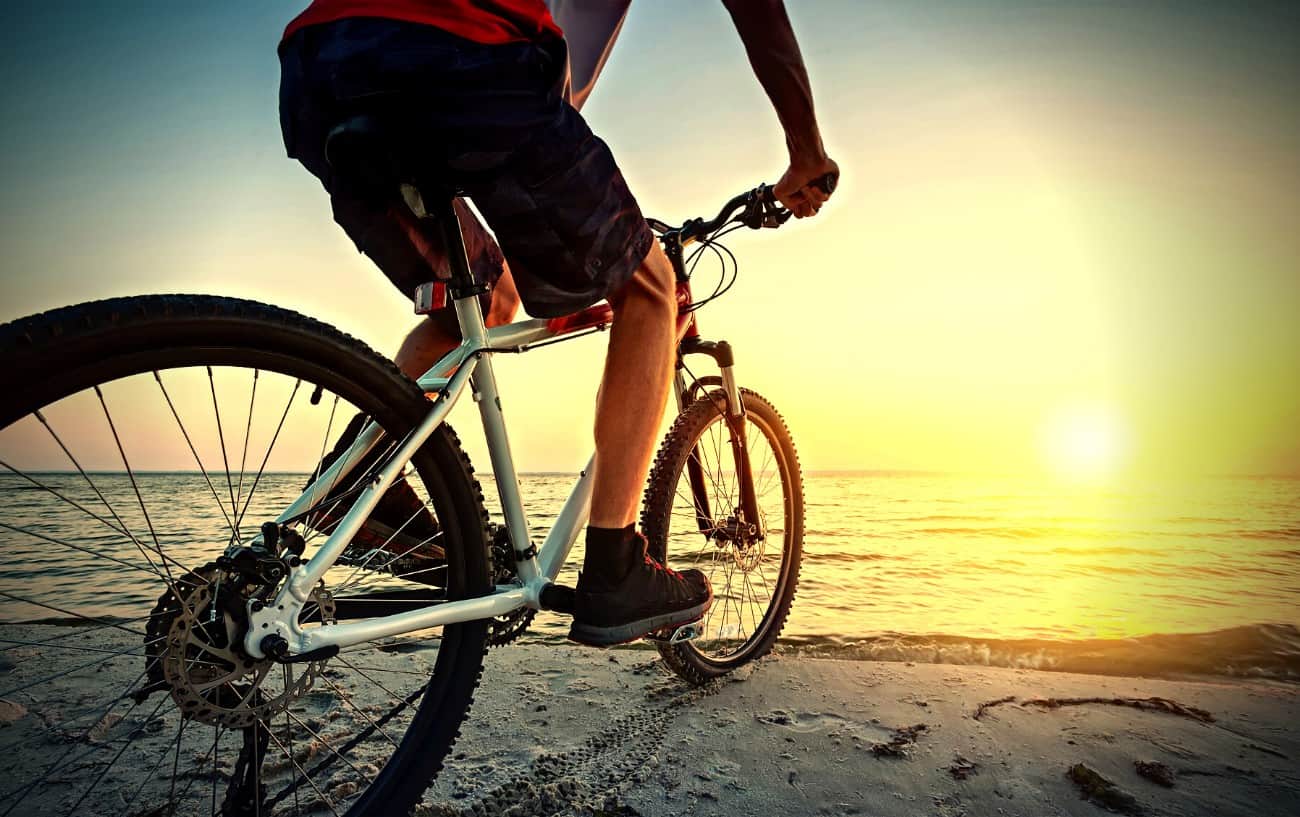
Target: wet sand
x=564 y=730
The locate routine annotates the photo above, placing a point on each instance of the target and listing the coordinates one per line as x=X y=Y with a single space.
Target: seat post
x=462 y=279
x=464 y=289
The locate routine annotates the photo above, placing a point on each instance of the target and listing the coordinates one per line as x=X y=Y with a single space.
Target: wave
x=1254 y=651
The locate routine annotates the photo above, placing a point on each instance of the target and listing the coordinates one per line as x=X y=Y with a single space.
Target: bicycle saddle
x=373 y=156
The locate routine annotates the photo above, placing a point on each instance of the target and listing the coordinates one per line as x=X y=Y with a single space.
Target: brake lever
x=776 y=216
x=764 y=211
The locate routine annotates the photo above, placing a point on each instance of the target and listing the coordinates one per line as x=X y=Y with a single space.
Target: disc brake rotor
x=202 y=659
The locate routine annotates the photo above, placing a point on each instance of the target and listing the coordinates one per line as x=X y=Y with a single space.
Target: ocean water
x=1194 y=577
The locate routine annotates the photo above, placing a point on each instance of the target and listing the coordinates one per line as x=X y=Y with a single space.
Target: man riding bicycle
x=493 y=88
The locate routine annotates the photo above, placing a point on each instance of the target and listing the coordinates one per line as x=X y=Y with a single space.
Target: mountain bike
x=230 y=640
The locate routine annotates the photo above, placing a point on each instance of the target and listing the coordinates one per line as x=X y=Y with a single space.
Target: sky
x=1067 y=235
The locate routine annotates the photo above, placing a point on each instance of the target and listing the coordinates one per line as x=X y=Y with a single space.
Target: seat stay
x=282 y=616
x=305 y=579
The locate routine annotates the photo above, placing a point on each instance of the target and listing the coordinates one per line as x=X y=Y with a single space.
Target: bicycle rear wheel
x=139 y=437
x=689 y=522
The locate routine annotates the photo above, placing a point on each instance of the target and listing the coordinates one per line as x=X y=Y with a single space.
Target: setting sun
x=1084 y=441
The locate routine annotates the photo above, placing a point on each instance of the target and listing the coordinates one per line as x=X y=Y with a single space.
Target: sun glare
x=1084 y=441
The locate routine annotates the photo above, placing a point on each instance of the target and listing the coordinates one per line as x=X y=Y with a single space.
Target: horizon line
x=808 y=472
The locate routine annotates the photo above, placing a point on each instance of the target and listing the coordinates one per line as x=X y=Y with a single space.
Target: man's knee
x=505 y=300
x=653 y=284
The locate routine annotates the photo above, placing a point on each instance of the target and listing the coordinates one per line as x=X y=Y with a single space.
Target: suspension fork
x=694 y=469
x=734 y=416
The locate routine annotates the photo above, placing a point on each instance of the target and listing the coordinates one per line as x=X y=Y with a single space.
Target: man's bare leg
x=622 y=594
x=633 y=390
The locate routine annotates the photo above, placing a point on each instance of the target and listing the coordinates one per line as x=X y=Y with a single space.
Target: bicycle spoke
x=176 y=762
x=718 y=510
x=84 y=630
x=221 y=436
x=113 y=762
x=324 y=742
x=145 y=780
x=742 y=600
x=103 y=713
x=749 y=590
x=216 y=740
x=358 y=710
x=34 y=603
x=97 y=662
x=171 y=583
x=411 y=573
x=70 y=647
x=325 y=800
x=288 y=682
x=94 y=553
x=243 y=457
x=403 y=704
x=348 y=582
x=325 y=521
x=104 y=748
x=76 y=464
x=84 y=510
x=199 y=762
x=234 y=526
x=266 y=457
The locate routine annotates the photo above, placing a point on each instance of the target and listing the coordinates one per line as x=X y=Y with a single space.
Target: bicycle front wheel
x=689 y=518
x=140 y=438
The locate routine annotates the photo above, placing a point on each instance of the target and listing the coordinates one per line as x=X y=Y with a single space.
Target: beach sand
x=557 y=729
x=793 y=736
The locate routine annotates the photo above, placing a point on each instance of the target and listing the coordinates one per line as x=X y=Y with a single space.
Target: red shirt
x=483 y=21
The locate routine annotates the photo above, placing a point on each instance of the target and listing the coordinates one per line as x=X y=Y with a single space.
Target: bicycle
x=249 y=625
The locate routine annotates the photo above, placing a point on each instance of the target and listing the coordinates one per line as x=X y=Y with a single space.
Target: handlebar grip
x=825 y=183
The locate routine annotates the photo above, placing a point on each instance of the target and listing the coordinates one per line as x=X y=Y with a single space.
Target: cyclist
x=492 y=87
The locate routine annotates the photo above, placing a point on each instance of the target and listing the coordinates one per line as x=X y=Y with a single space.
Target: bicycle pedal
x=559 y=598
x=679 y=634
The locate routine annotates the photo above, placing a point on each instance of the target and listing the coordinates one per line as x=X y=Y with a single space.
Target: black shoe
x=649 y=598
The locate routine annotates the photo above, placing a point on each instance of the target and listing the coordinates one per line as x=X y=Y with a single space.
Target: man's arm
x=774 y=55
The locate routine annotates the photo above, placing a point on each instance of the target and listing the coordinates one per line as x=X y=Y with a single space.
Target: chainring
x=197 y=645
x=508 y=628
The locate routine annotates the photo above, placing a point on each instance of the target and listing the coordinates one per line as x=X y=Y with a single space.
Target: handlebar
x=755 y=209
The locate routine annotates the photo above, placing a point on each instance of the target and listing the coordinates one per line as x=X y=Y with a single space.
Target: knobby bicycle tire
x=65 y=351
x=668 y=485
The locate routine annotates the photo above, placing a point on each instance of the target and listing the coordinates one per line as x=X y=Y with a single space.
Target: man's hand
x=795 y=189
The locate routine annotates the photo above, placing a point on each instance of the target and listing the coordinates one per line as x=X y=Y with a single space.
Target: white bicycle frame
x=467 y=367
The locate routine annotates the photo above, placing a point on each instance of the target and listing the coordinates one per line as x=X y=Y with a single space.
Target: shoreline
x=1268 y=651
